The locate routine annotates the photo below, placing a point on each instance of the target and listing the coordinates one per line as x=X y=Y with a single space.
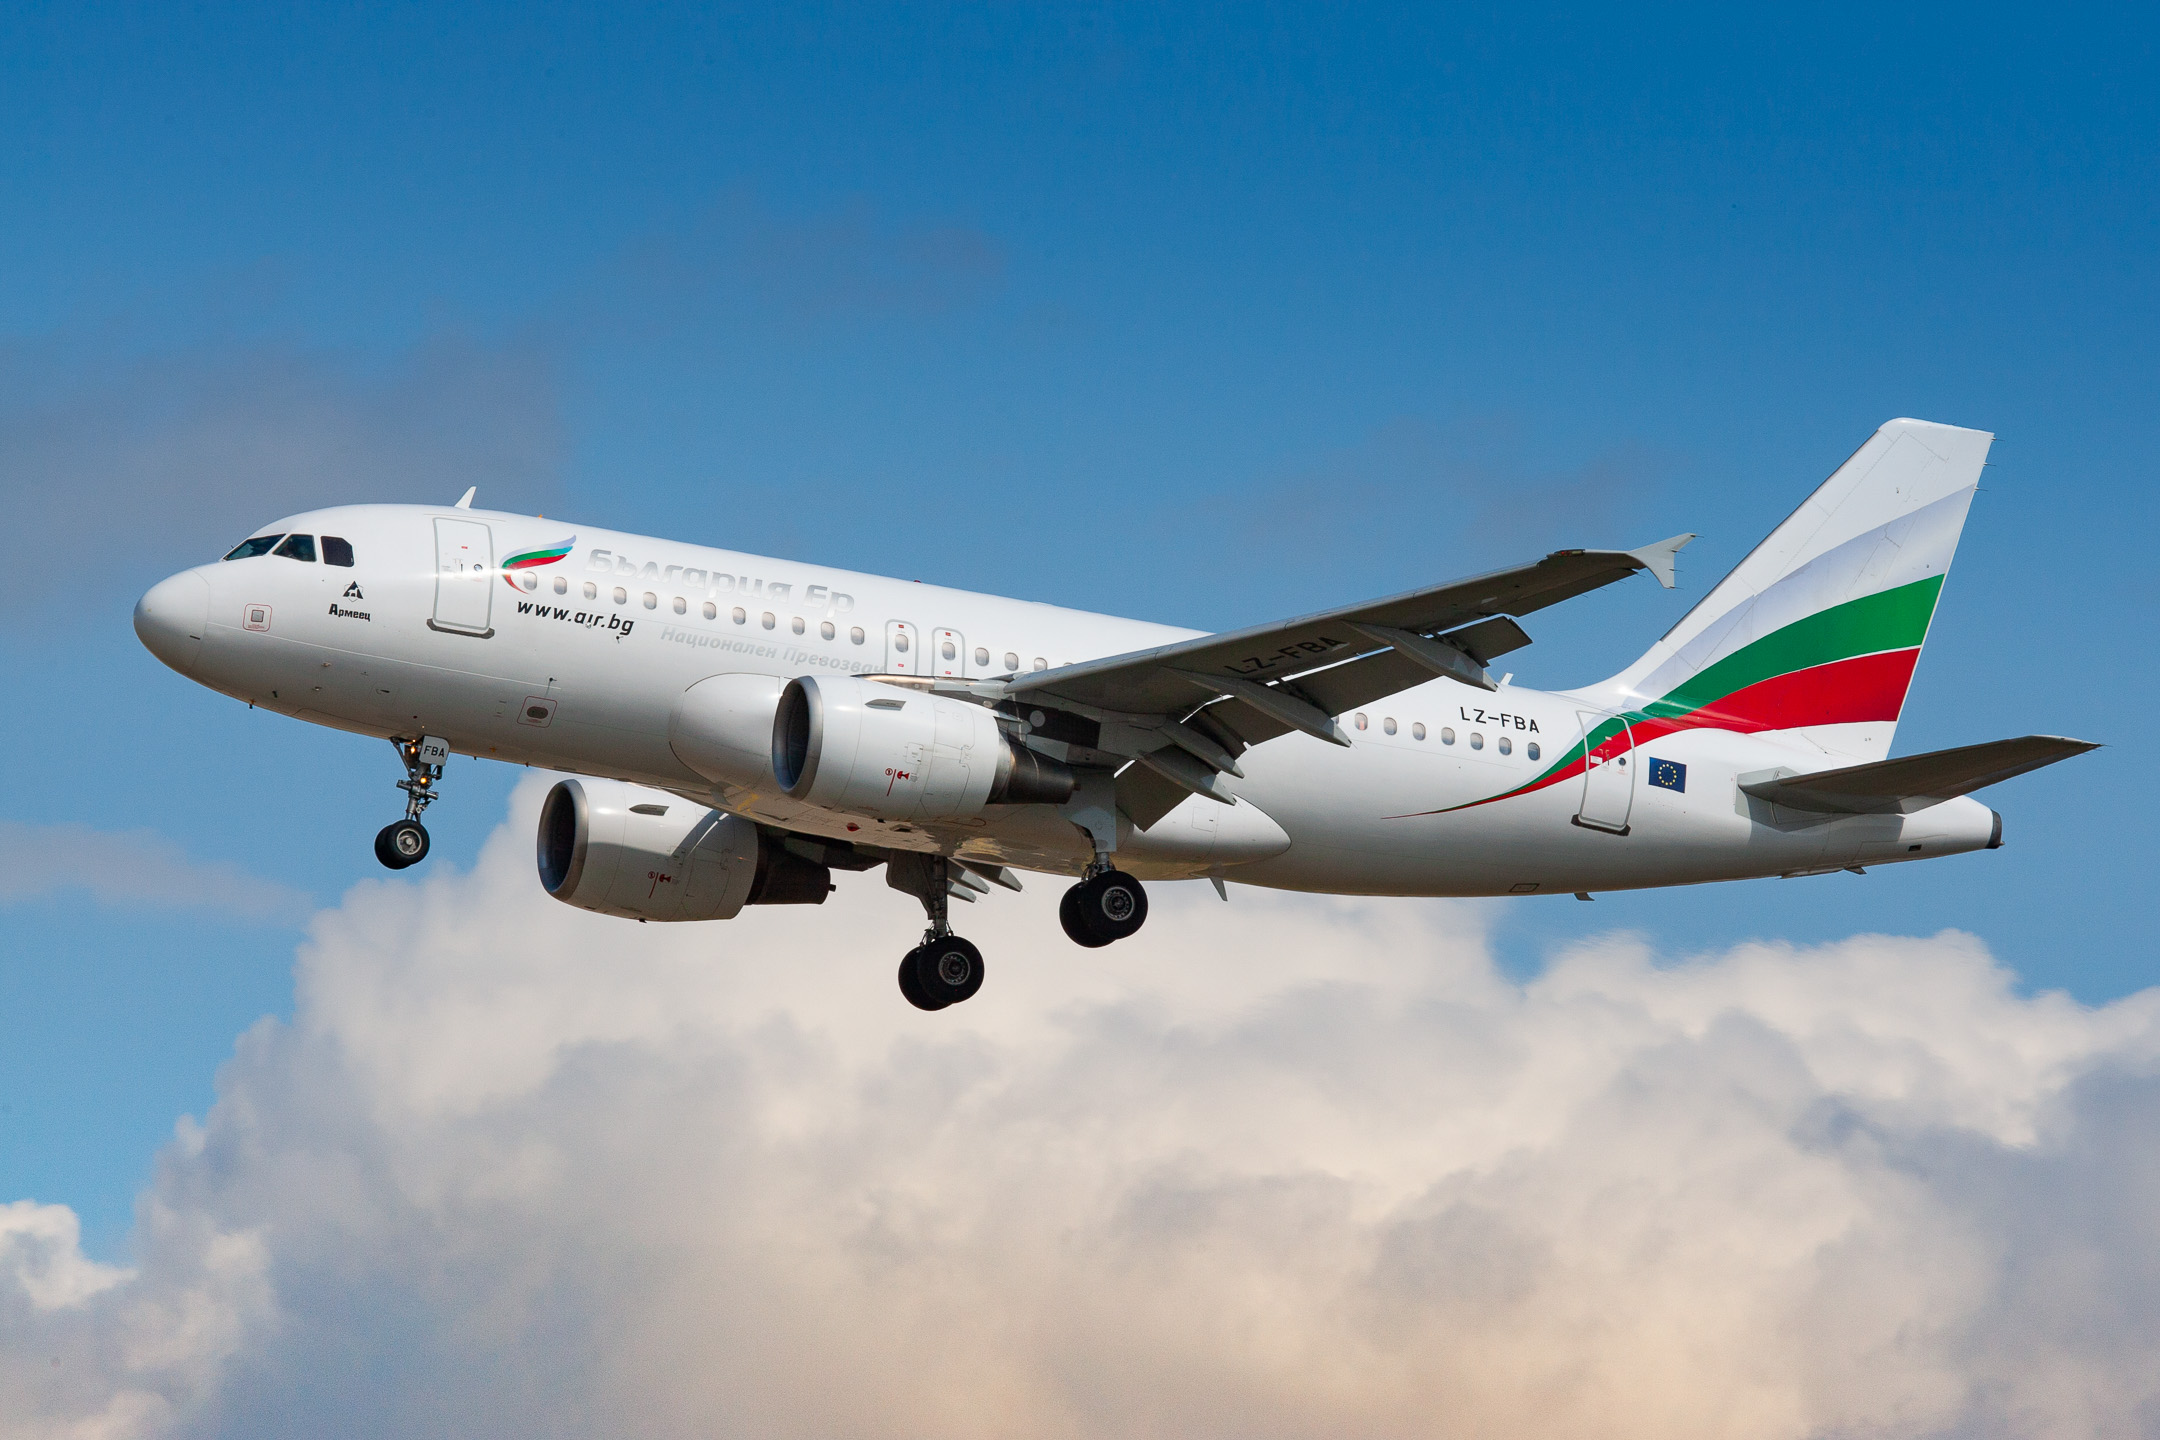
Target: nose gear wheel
x=402 y=843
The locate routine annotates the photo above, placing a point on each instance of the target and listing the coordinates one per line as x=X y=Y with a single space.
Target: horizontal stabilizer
x=1900 y=787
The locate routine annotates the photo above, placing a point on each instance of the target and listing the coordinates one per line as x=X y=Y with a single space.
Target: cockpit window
x=249 y=549
x=336 y=550
x=298 y=547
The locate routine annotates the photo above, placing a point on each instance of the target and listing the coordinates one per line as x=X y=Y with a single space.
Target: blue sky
x=1205 y=316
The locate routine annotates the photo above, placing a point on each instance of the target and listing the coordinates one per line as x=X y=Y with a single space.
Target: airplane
x=735 y=728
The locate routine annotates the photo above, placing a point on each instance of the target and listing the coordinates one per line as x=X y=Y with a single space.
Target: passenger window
x=562 y=585
x=1417 y=731
x=855 y=635
x=622 y=596
x=796 y=625
x=529 y=581
x=1447 y=734
x=712 y=611
x=1012 y=662
x=982 y=656
x=947 y=650
x=249 y=549
x=741 y=616
x=1388 y=724
x=682 y=606
x=298 y=547
x=826 y=631
x=899 y=643
x=767 y=620
x=1477 y=740
x=592 y=591
x=337 y=550
x=1533 y=750
x=1507 y=746
x=1361 y=720
x=652 y=601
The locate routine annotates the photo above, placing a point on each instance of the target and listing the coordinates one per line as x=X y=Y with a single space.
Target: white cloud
x=133 y=867
x=1287 y=1166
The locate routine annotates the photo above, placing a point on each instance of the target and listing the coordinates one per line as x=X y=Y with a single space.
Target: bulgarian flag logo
x=545 y=555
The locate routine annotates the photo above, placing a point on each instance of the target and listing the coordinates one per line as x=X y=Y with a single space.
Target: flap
x=1900 y=787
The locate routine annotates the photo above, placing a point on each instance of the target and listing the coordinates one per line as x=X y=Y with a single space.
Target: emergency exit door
x=903 y=652
x=1608 y=779
x=464 y=578
x=949 y=657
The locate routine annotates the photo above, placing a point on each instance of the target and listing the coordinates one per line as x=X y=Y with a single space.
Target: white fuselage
x=579 y=664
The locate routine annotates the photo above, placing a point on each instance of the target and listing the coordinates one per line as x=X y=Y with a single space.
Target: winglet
x=1658 y=559
x=465 y=502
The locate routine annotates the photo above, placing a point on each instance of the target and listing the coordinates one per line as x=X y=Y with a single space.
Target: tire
x=946 y=971
x=402 y=844
x=1076 y=929
x=909 y=990
x=1112 y=906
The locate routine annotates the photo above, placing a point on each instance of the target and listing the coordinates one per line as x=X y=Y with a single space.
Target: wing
x=1164 y=679
x=1185 y=712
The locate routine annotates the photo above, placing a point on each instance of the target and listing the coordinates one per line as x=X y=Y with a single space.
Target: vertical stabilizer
x=1817 y=631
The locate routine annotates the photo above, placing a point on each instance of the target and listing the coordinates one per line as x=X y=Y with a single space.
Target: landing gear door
x=1609 y=779
x=464 y=575
x=903 y=649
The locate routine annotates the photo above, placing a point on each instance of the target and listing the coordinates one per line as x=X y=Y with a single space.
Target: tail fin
x=1817 y=631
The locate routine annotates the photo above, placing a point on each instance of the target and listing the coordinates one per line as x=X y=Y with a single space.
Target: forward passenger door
x=464 y=578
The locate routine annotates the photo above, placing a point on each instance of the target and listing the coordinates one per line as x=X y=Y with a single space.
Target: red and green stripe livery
x=526 y=560
x=1848 y=664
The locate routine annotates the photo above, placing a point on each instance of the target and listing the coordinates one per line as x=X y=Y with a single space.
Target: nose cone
x=171 y=618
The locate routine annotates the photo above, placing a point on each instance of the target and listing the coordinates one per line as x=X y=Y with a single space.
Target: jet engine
x=644 y=854
x=895 y=753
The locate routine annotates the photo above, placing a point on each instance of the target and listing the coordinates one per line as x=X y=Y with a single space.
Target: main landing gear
x=405 y=842
x=945 y=969
x=1107 y=906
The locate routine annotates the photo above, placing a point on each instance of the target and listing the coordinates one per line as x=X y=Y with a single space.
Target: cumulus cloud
x=133 y=867
x=1287 y=1166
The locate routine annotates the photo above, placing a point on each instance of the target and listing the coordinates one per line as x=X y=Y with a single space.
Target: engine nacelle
x=644 y=854
x=896 y=753
x=722 y=728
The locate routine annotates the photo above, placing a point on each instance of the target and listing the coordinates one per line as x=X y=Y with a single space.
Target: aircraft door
x=903 y=651
x=464 y=577
x=1609 y=780
x=948 y=654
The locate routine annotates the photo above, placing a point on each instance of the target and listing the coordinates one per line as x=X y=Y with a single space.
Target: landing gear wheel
x=401 y=844
x=1105 y=907
x=1075 y=929
x=940 y=972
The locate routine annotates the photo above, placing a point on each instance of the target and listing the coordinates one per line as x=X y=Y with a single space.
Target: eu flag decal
x=1668 y=774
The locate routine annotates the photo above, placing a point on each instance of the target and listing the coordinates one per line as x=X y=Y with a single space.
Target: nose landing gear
x=405 y=842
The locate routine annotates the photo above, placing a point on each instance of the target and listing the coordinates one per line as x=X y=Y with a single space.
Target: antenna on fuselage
x=465 y=500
